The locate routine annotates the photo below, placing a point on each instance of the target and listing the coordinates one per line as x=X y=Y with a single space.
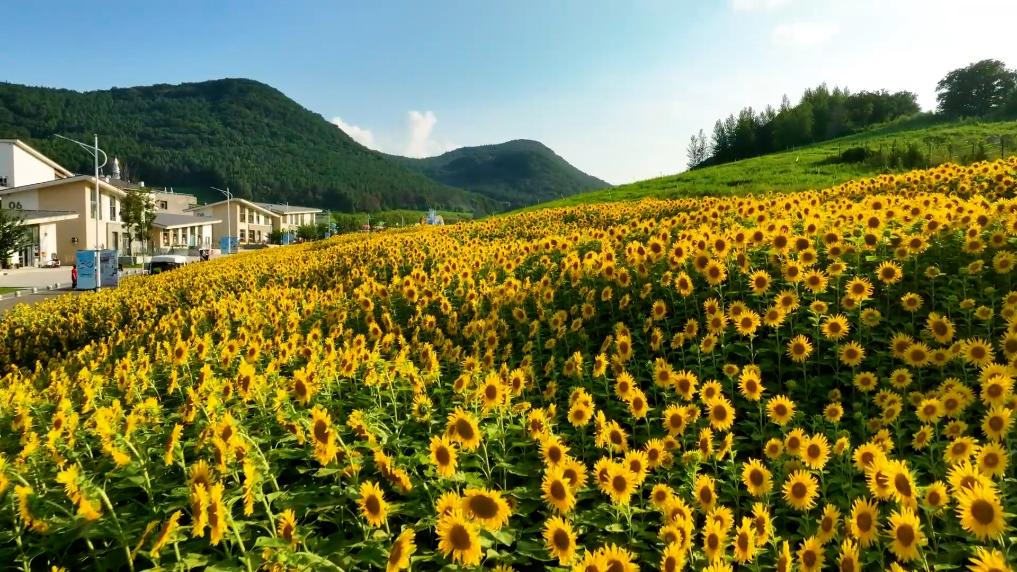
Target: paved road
x=35 y=277
x=9 y=302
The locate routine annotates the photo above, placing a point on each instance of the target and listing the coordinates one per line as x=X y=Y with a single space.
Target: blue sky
x=615 y=87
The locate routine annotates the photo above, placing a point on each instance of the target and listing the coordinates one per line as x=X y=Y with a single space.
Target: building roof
x=33 y=152
x=288 y=209
x=244 y=202
x=170 y=220
x=57 y=182
x=41 y=217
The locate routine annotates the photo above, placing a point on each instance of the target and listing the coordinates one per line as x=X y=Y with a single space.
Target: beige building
x=250 y=223
x=63 y=197
x=290 y=217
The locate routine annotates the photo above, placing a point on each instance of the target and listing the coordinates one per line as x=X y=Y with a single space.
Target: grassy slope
x=804 y=168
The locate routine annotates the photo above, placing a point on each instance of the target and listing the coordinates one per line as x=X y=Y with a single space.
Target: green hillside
x=916 y=142
x=513 y=174
x=234 y=132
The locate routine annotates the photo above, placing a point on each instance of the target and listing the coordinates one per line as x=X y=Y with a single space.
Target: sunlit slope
x=818 y=166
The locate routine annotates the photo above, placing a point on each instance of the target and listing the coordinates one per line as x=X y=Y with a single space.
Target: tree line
x=985 y=89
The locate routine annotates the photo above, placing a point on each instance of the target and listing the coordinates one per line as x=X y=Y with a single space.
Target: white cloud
x=803 y=34
x=752 y=5
x=420 y=142
x=363 y=136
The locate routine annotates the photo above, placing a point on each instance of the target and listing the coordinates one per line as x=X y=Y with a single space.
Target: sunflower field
x=812 y=381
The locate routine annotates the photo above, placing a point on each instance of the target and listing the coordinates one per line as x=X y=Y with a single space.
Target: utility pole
x=94 y=150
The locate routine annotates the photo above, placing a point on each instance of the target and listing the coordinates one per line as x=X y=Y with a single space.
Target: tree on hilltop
x=976 y=90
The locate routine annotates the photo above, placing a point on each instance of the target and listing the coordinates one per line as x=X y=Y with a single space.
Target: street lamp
x=229 y=216
x=93 y=150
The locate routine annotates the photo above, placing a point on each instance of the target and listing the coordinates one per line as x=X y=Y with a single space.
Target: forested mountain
x=234 y=132
x=514 y=174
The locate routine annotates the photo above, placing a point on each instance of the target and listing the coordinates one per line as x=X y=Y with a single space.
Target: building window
x=243 y=215
x=165 y=238
x=243 y=235
x=3 y=181
x=163 y=205
x=112 y=209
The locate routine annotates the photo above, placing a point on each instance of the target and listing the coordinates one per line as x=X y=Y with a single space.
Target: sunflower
x=816 y=451
x=889 y=272
x=996 y=389
x=780 y=409
x=166 y=533
x=721 y=413
x=964 y=475
x=835 y=327
x=833 y=412
x=617 y=559
x=800 y=490
x=960 y=449
x=980 y=512
x=851 y=354
x=811 y=555
x=760 y=282
x=560 y=539
x=575 y=472
x=988 y=560
x=620 y=484
x=287 y=527
x=996 y=423
x=458 y=538
x=745 y=542
x=462 y=428
x=930 y=410
x=794 y=441
x=828 y=523
x=911 y=302
x=558 y=491
x=553 y=451
x=977 y=351
x=858 y=289
x=906 y=531
x=492 y=392
x=864 y=521
x=372 y=503
x=400 y=552
x=936 y=496
x=757 y=478
x=865 y=381
x=713 y=541
x=675 y=419
x=443 y=456
x=799 y=348
x=705 y=492
x=784 y=557
x=591 y=562
x=848 y=557
x=939 y=327
x=673 y=558
x=992 y=460
x=750 y=386
x=487 y=507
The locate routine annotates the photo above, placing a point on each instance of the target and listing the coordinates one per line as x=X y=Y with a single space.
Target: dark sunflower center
x=558 y=491
x=460 y=538
x=905 y=535
x=799 y=490
x=983 y=512
x=465 y=429
x=483 y=506
x=561 y=539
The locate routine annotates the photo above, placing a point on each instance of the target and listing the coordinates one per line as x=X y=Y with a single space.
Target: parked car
x=165 y=262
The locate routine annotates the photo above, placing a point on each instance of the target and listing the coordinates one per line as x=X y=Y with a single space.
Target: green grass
x=808 y=167
x=7 y=290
